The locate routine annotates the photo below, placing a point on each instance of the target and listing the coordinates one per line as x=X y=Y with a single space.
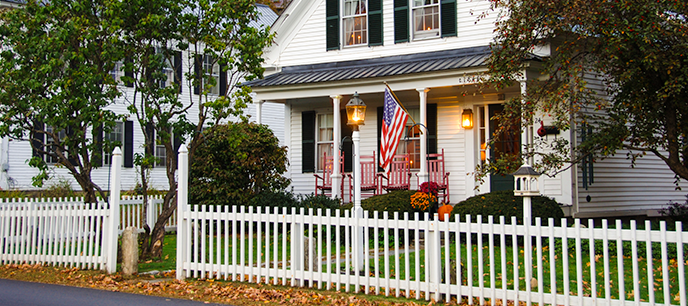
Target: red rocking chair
x=399 y=175
x=323 y=182
x=437 y=175
x=369 y=176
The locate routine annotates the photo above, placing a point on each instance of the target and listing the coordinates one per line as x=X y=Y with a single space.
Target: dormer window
x=426 y=19
x=355 y=22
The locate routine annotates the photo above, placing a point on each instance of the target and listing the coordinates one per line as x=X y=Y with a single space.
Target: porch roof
x=376 y=67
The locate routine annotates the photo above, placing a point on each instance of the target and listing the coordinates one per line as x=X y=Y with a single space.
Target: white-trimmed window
x=49 y=158
x=324 y=138
x=167 y=69
x=355 y=22
x=116 y=138
x=426 y=19
x=212 y=70
x=410 y=140
x=160 y=152
x=116 y=73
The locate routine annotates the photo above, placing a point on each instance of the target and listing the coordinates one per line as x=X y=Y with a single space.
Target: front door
x=506 y=143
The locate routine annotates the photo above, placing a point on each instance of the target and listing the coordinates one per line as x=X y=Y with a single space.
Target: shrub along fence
x=410 y=255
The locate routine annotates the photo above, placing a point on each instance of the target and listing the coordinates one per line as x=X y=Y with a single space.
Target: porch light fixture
x=467 y=118
x=355 y=111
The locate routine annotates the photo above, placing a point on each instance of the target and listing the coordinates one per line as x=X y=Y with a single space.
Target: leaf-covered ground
x=214 y=291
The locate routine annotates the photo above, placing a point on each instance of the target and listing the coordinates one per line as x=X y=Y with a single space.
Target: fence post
x=182 y=207
x=151 y=212
x=433 y=251
x=113 y=224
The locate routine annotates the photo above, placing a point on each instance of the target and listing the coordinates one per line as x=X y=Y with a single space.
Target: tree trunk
x=153 y=249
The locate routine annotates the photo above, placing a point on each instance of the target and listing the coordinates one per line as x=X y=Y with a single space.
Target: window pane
x=115 y=139
x=325 y=141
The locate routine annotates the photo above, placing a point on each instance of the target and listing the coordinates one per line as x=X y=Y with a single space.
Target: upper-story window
x=355 y=22
x=167 y=68
x=212 y=70
x=422 y=19
x=211 y=75
x=426 y=18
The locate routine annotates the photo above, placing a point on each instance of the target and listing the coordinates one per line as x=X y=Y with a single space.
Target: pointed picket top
x=117 y=151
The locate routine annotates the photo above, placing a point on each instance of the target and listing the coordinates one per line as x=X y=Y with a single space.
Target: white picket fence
x=474 y=262
x=65 y=233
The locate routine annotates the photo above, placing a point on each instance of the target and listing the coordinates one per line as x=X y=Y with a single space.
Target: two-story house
x=431 y=53
x=15 y=173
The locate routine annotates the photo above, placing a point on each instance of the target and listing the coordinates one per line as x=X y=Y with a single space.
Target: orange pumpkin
x=445 y=209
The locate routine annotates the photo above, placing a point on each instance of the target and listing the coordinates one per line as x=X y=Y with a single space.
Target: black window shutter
x=332 y=24
x=150 y=138
x=375 y=31
x=223 y=80
x=38 y=139
x=71 y=153
x=97 y=160
x=448 y=16
x=308 y=141
x=432 y=128
x=129 y=72
x=401 y=21
x=380 y=111
x=347 y=148
x=128 y=144
x=198 y=63
x=178 y=69
x=176 y=142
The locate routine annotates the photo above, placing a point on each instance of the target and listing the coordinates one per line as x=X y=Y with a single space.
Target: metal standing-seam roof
x=377 y=67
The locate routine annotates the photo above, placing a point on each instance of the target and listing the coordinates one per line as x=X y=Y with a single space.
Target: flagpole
x=399 y=101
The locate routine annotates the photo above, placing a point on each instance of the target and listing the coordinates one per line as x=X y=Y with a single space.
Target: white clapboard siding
x=301 y=36
x=326 y=251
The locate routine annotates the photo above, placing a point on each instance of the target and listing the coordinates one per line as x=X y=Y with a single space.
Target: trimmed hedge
x=504 y=203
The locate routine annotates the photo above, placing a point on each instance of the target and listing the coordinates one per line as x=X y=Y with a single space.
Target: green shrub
x=234 y=163
x=395 y=201
x=274 y=200
x=677 y=212
x=504 y=203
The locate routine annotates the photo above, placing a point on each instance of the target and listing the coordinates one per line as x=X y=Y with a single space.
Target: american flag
x=393 y=122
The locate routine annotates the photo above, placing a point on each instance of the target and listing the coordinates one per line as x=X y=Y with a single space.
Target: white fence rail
x=131 y=209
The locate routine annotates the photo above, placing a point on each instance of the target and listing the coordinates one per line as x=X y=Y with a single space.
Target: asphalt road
x=18 y=293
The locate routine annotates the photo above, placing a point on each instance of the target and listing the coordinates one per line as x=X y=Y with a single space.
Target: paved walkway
x=18 y=293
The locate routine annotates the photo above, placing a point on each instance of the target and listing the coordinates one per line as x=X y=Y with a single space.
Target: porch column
x=423 y=173
x=259 y=111
x=337 y=137
x=527 y=135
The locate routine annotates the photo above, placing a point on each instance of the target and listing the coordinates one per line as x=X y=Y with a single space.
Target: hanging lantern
x=355 y=111
x=467 y=118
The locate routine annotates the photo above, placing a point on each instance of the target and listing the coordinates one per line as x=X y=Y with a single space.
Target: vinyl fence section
x=65 y=232
x=394 y=255
x=59 y=233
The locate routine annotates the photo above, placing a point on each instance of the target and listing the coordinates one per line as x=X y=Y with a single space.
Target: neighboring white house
x=432 y=54
x=14 y=154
